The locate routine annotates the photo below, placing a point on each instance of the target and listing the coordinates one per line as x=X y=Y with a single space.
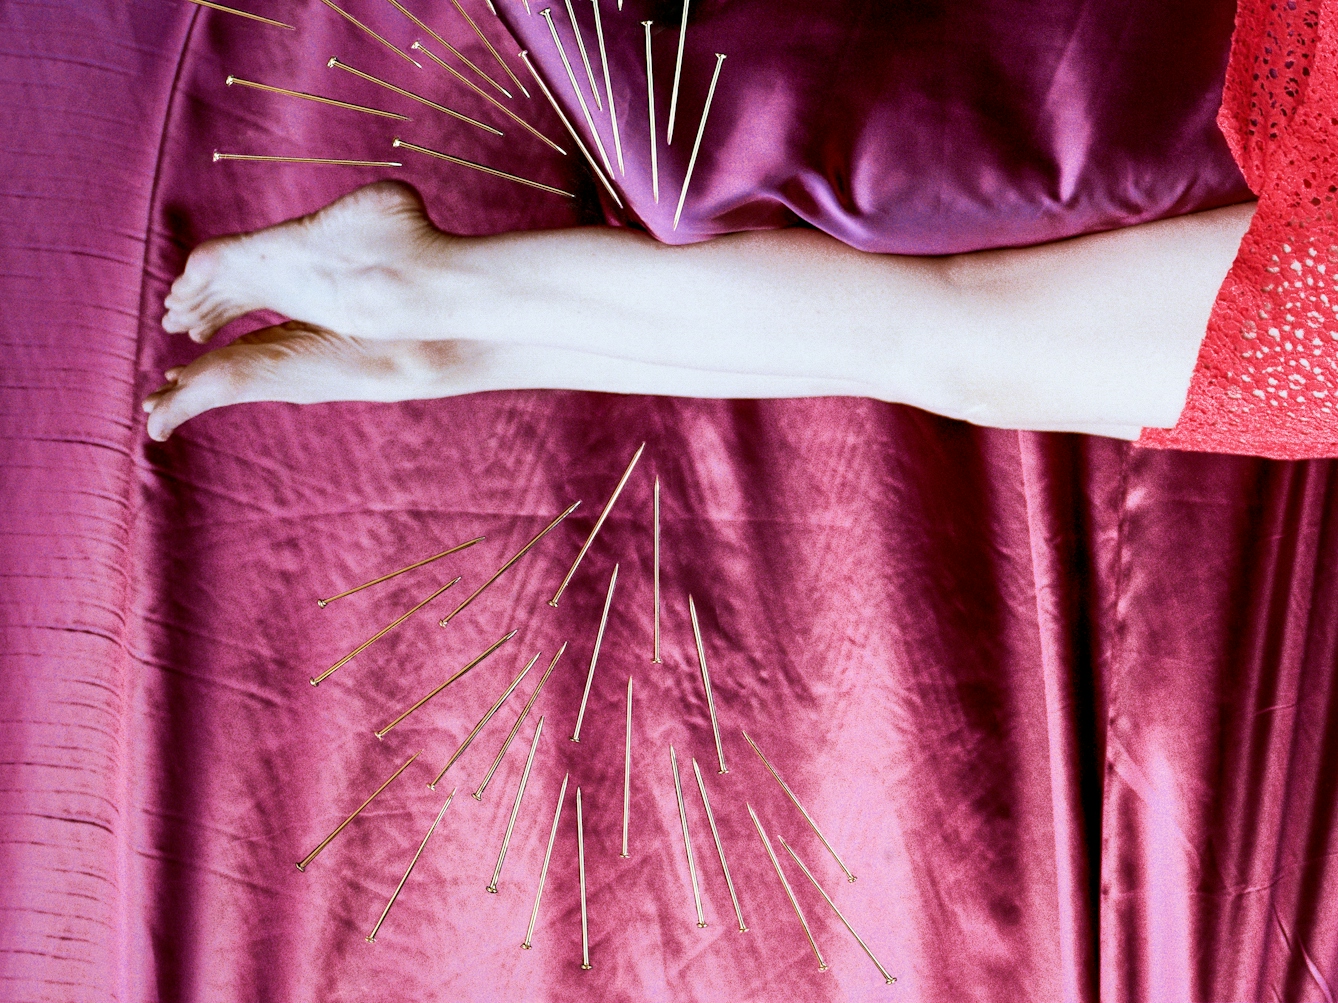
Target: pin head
x=330 y=64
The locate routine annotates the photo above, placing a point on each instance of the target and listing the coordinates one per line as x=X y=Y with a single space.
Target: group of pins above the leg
x=604 y=102
x=696 y=879
x=547 y=15
x=418 y=47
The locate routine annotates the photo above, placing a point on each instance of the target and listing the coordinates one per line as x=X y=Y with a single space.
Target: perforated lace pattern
x=1266 y=381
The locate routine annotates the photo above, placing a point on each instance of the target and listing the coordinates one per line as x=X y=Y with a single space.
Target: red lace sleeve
x=1266 y=381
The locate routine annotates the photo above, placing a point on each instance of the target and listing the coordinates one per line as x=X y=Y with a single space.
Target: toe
x=177 y=402
x=175 y=322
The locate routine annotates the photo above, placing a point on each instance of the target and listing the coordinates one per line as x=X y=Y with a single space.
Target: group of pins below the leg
x=397 y=142
x=603 y=174
x=514 y=684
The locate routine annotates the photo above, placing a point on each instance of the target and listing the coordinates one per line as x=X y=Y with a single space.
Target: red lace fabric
x=1266 y=382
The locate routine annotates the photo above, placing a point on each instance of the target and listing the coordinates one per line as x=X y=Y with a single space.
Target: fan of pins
x=603 y=97
x=604 y=174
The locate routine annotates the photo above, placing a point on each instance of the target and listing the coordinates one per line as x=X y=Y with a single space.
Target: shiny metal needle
x=594 y=655
x=515 y=808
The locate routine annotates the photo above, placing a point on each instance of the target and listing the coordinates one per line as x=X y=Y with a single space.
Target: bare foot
x=301 y=364
x=342 y=268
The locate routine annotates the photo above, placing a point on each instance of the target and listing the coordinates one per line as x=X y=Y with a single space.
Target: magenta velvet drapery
x=1064 y=705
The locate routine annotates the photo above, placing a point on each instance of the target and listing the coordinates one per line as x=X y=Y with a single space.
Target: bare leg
x=1094 y=334
x=356 y=267
x=299 y=364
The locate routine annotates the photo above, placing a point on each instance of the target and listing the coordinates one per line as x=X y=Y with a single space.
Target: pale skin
x=1096 y=334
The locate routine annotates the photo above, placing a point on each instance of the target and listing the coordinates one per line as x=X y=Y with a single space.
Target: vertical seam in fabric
x=1112 y=679
x=127 y=705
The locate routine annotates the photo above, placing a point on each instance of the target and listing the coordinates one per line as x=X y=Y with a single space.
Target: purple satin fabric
x=913 y=128
x=1065 y=706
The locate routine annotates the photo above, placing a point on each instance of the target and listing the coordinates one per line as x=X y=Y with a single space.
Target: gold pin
x=719 y=846
x=687 y=840
x=484 y=720
x=317 y=680
x=697 y=144
x=358 y=24
x=515 y=728
x=580 y=861
x=335 y=63
x=594 y=655
x=789 y=892
x=479 y=167
x=321 y=100
x=655 y=588
x=678 y=73
x=491 y=648
x=503 y=569
x=515 y=808
x=371 y=937
x=807 y=817
x=706 y=684
x=495 y=54
x=580 y=144
x=242 y=13
x=449 y=47
x=627 y=769
x=547 y=15
x=543 y=871
x=486 y=96
x=580 y=44
x=322 y=603
x=608 y=507
x=305 y=862
x=887 y=977
x=306 y=160
x=650 y=107
x=608 y=90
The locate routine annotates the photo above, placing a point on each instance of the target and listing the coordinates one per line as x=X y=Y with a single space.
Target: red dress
x=1266 y=382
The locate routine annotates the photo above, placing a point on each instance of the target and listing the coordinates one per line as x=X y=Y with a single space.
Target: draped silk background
x=1065 y=705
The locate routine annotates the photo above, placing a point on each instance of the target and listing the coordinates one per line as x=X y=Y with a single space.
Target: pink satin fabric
x=1065 y=706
